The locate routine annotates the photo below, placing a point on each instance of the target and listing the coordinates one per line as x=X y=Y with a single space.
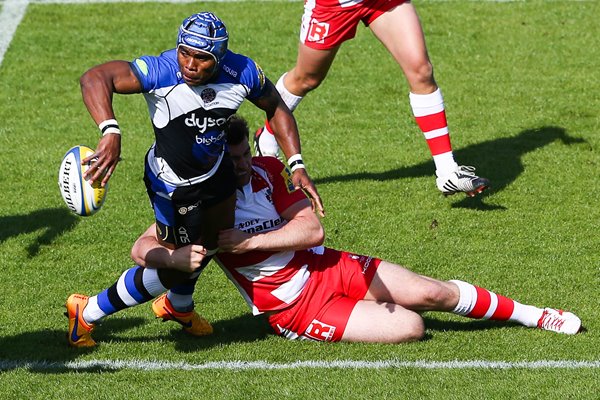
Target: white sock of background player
x=264 y=140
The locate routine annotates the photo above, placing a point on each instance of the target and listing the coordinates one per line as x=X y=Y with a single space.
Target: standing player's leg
x=322 y=32
x=180 y=298
x=200 y=213
x=138 y=285
x=399 y=29
x=310 y=70
x=312 y=66
x=191 y=214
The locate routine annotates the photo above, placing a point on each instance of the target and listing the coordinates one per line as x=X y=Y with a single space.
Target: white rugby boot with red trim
x=559 y=321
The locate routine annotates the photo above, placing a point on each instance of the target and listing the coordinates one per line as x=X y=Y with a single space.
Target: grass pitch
x=522 y=103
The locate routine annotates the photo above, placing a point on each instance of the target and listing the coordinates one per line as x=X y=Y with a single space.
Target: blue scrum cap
x=204 y=31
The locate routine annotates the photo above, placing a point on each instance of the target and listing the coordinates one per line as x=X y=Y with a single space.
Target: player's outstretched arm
x=98 y=85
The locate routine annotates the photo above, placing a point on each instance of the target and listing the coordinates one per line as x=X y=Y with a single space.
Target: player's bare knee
x=310 y=82
x=417 y=331
x=421 y=79
x=414 y=330
x=434 y=295
x=424 y=72
x=411 y=328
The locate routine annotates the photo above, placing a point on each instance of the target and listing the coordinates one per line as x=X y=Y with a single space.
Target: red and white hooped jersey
x=267 y=280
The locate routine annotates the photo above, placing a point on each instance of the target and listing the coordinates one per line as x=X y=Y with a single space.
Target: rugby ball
x=80 y=196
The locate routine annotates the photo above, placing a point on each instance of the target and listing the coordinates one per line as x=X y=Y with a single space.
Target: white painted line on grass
x=264 y=365
x=10 y=17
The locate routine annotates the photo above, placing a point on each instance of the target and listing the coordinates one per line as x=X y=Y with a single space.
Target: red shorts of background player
x=326 y=24
x=338 y=280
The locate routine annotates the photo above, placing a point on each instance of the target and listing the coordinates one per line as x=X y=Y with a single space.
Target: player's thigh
x=396 y=284
x=380 y=322
x=204 y=209
x=217 y=218
x=401 y=33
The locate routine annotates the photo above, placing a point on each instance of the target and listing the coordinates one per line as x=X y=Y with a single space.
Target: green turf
x=519 y=80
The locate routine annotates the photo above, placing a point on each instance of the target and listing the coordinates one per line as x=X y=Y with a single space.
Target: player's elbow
x=136 y=254
x=88 y=79
x=141 y=247
x=318 y=235
x=99 y=77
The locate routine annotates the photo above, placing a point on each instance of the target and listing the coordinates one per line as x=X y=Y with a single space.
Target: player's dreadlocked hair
x=237 y=129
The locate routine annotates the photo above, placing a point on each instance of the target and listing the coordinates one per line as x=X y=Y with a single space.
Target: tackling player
x=275 y=258
x=326 y=24
x=191 y=92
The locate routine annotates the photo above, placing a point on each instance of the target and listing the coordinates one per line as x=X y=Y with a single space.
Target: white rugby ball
x=80 y=196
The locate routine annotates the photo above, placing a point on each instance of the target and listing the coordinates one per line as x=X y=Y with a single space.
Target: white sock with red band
x=430 y=115
x=480 y=303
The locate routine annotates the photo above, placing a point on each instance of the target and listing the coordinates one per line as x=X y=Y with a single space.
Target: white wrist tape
x=295 y=162
x=109 y=126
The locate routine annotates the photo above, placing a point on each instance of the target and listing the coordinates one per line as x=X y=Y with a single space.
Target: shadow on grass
x=468 y=325
x=245 y=328
x=52 y=222
x=47 y=351
x=499 y=160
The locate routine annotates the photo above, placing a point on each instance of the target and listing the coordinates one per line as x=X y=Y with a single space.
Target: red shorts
x=327 y=25
x=338 y=280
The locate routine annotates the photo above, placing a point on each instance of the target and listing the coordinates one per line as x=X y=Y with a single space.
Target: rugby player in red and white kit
x=274 y=256
x=326 y=24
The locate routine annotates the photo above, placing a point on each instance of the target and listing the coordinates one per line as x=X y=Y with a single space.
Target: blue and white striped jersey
x=189 y=121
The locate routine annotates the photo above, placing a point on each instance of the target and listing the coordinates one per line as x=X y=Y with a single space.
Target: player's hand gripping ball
x=80 y=196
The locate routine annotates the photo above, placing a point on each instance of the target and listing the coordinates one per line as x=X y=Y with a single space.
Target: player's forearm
x=148 y=252
x=286 y=132
x=297 y=234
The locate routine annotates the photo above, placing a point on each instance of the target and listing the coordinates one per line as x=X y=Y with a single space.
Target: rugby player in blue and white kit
x=191 y=91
